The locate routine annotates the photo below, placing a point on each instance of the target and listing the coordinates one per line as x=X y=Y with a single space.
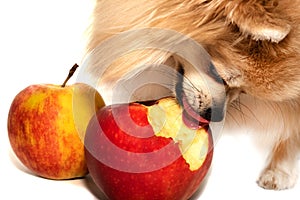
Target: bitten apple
x=134 y=151
x=46 y=126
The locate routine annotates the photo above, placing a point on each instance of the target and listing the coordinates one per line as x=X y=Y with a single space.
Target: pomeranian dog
x=254 y=47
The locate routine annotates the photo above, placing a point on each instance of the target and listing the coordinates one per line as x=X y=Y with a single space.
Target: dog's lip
x=190 y=117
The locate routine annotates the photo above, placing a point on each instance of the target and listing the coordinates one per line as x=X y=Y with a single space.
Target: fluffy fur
x=255 y=48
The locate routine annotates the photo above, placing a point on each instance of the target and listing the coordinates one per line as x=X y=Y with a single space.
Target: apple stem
x=71 y=72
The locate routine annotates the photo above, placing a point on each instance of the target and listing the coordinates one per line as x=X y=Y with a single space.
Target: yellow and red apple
x=46 y=127
x=137 y=151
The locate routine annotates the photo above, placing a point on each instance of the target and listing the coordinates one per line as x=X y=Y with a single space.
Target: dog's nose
x=206 y=114
x=214 y=114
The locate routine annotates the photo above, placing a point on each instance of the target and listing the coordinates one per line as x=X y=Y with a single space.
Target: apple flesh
x=46 y=127
x=135 y=151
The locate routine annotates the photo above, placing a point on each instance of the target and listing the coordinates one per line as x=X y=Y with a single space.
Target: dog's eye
x=214 y=74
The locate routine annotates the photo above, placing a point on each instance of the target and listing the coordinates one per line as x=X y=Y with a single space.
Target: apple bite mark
x=166 y=119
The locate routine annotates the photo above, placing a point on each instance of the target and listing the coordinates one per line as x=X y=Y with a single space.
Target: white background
x=39 y=42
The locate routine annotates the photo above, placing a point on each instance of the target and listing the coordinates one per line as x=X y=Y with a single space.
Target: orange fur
x=255 y=47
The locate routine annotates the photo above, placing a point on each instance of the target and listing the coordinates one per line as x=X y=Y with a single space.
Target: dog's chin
x=194 y=118
x=190 y=116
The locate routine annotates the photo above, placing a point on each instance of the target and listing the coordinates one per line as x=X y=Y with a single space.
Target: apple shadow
x=201 y=189
x=93 y=188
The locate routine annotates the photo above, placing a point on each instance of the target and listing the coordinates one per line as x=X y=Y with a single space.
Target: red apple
x=46 y=127
x=134 y=151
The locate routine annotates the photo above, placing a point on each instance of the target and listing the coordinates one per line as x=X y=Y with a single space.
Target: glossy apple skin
x=127 y=161
x=42 y=130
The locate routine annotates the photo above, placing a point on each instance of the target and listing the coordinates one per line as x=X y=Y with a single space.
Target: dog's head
x=254 y=47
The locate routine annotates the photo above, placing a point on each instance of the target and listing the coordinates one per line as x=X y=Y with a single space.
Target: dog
x=254 y=47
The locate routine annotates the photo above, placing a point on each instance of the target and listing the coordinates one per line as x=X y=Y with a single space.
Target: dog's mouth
x=190 y=116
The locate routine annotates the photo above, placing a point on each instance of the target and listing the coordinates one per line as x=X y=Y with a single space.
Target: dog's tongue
x=191 y=118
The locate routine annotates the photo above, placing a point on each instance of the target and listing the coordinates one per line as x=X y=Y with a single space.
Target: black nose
x=206 y=114
x=214 y=114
